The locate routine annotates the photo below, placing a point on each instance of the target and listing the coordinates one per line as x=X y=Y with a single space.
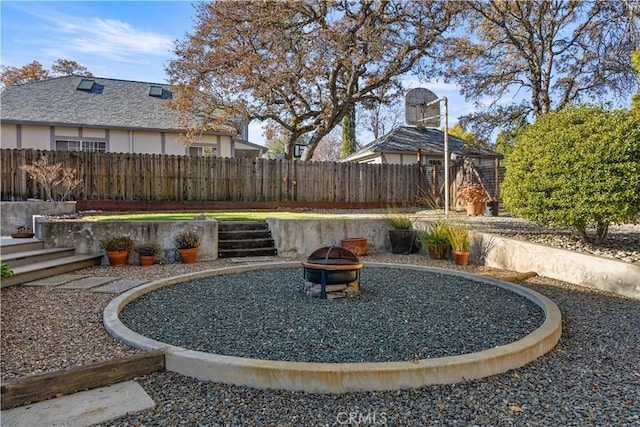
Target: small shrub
x=5 y=271
x=472 y=193
x=54 y=179
x=187 y=239
x=148 y=249
x=121 y=243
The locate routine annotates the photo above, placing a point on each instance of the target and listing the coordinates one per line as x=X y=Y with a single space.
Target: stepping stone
x=119 y=286
x=82 y=409
x=88 y=283
x=55 y=280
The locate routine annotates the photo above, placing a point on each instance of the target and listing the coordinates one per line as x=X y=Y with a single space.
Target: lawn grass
x=220 y=216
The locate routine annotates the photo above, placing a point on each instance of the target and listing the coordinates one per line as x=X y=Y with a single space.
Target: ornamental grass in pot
x=187 y=242
x=460 y=242
x=435 y=239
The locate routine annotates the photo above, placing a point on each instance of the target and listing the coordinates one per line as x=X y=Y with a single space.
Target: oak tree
x=556 y=52
x=34 y=71
x=302 y=65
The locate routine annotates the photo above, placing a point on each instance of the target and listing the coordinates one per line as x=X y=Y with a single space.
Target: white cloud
x=114 y=39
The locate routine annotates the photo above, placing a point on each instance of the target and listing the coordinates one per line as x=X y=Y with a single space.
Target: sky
x=129 y=40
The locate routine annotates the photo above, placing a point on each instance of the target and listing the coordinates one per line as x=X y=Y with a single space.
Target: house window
x=197 y=151
x=434 y=162
x=80 y=145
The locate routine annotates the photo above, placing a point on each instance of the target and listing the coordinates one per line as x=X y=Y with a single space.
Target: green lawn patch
x=219 y=216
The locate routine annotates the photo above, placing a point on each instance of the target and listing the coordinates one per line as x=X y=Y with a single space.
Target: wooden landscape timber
x=36 y=388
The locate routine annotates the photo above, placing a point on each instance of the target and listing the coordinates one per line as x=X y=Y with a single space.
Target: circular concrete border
x=342 y=377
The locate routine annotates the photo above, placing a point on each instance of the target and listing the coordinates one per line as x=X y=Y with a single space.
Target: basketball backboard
x=416 y=111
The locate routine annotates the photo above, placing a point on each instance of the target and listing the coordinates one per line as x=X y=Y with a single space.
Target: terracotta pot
x=146 y=259
x=461 y=257
x=21 y=235
x=188 y=256
x=357 y=245
x=437 y=250
x=117 y=258
x=474 y=209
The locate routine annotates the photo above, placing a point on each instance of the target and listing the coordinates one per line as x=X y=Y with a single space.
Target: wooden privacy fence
x=152 y=177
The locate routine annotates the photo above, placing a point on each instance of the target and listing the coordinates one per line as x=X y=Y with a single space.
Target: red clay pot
x=117 y=258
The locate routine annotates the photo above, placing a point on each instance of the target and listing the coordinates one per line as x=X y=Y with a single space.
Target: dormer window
x=86 y=85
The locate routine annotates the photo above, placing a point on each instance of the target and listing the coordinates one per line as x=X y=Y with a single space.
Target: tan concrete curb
x=342 y=377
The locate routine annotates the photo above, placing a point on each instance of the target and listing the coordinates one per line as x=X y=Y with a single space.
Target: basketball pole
x=446 y=149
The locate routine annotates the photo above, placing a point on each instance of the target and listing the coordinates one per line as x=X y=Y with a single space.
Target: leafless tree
x=300 y=64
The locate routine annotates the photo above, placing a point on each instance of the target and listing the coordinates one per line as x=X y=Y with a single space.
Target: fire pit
x=332 y=265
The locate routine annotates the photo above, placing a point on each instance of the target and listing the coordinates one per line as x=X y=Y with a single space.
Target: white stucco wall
x=67 y=131
x=94 y=133
x=172 y=145
x=146 y=142
x=36 y=137
x=8 y=136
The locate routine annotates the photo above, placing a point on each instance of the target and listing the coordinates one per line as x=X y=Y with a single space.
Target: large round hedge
x=578 y=167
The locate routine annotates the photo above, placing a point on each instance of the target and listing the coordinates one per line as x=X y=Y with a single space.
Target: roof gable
x=410 y=139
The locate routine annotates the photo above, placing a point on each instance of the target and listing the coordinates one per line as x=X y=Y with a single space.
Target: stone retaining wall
x=85 y=236
x=18 y=214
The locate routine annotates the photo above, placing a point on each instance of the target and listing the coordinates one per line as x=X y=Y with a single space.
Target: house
x=406 y=144
x=98 y=114
x=410 y=145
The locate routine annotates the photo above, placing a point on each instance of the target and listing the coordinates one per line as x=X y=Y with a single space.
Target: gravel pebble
x=401 y=315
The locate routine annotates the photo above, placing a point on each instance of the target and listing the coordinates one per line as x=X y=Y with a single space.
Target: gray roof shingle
x=119 y=104
x=409 y=139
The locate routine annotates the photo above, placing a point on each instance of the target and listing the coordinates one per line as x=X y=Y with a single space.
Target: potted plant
x=435 y=239
x=187 y=242
x=22 y=232
x=117 y=249
x=401 y=234
x=475 y=196
x=460 y=243
x=147 y=252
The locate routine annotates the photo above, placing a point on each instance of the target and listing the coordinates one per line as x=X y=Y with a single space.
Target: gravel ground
x=401 y=315
x=592 y=378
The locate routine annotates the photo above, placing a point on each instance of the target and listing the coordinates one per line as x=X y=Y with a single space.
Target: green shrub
x=5 y=271
x=578 y=167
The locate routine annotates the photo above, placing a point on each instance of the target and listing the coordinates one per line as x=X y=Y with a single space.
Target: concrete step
x=12 y=246
x=31 y=257
x=244 y=234
x=245 y=244
x=38 y=270
x=237 y=253
x=225 y=226
x=245 y=239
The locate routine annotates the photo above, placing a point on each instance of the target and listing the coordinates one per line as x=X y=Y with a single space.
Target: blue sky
x=129 y=40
